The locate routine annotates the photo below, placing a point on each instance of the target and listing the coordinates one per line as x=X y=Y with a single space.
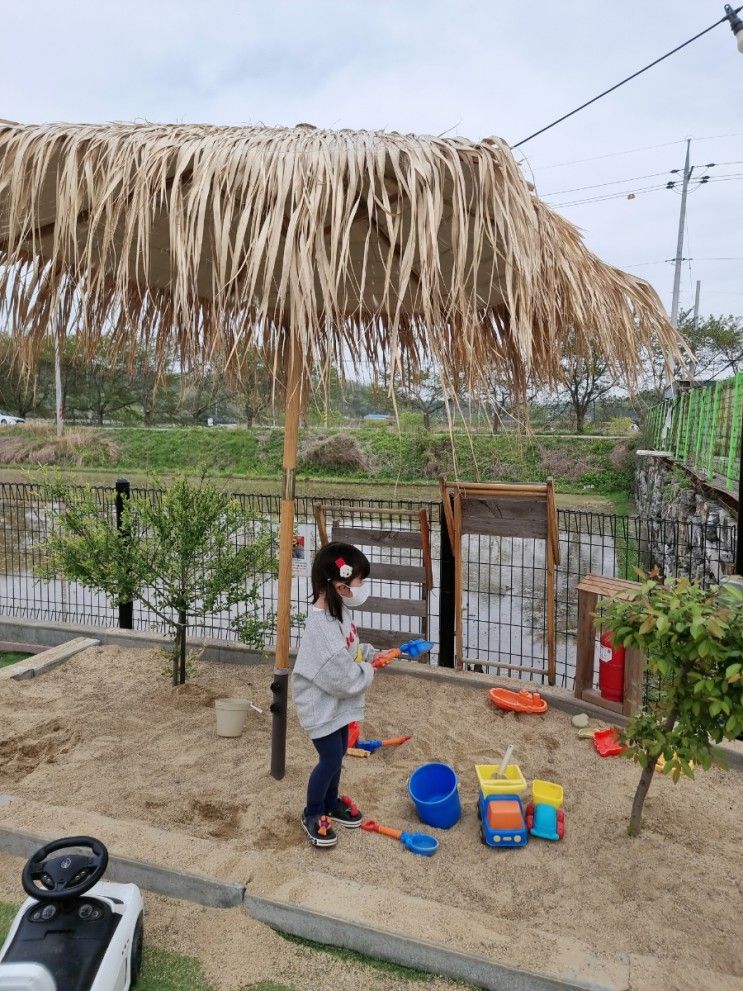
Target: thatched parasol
x=305 y=244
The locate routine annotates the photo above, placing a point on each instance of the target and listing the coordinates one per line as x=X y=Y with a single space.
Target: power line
x=634 y=178
x=633 y=151
x=598 y=185
x=623 y=194
x=625 y=80
x=669 y=261
x=615 y=154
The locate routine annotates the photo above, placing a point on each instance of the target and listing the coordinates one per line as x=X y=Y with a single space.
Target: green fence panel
x=733 y=460
x=704 y=429
x=712 y=432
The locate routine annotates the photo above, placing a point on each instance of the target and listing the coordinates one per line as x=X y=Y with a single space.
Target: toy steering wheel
x=67 y=877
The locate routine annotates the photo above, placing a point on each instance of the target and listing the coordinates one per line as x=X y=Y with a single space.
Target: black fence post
x=123 y=491
x=446 y=596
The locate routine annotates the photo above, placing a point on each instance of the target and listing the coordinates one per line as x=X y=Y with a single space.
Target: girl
x=331 y=675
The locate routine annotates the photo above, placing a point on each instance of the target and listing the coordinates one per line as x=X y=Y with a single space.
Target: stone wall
x=684 y=532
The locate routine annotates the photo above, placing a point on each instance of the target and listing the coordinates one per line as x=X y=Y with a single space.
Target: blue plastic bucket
x=433 y=788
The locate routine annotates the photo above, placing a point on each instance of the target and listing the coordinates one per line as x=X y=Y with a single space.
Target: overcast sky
x=502 y=67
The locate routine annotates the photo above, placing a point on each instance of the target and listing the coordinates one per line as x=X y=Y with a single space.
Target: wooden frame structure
x=590 y=589
x=373 y=536
x=503 y=510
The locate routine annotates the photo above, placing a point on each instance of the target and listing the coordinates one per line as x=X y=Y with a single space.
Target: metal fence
x=702 y=428
x=504 y=577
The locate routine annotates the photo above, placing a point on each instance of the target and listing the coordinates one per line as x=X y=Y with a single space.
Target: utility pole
x=680 y=240
x=59 y=398
x=696 y=304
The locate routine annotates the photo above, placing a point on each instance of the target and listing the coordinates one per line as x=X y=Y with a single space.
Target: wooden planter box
x=589 y=590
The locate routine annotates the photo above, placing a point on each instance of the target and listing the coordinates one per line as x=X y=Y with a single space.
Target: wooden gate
x=503 y=510
x=370 y=536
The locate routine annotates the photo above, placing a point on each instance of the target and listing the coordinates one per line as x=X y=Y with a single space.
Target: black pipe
x=280 y=690
x=447 y=610
x=123 y=491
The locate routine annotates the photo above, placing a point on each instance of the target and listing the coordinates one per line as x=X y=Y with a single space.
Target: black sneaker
x=346 y=812
x=319 y=830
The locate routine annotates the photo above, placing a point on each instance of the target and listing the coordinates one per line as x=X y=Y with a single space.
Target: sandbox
x=105 y=742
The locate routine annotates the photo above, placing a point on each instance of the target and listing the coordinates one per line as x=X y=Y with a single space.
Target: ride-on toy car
x=75 y=932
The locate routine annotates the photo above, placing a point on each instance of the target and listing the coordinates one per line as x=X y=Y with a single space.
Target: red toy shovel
x=606 y=742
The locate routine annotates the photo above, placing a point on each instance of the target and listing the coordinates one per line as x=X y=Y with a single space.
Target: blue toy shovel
x=420 y=843
x=374 y=745
x=414 y=648
x=411 y=648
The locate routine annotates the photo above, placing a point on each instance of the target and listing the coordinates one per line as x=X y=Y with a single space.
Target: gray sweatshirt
x=331 y=674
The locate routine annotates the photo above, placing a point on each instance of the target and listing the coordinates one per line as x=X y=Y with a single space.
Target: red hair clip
x=345 y=570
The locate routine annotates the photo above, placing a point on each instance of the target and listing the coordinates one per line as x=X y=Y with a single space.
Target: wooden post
x=585 y=642
x=280 y=683
x=551 y=647
x=59 y=399
x=634 y=669
x=322 y=529
x=428 y=569
x=446 y=506
x=553 y=558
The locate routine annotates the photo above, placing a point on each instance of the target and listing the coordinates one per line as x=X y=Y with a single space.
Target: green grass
x=361 y=960
x=11 y=656
x=412 y=456
x=7 y=914
x=164 y=970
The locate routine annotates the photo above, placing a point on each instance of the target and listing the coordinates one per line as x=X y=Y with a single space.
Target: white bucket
x=232 y=714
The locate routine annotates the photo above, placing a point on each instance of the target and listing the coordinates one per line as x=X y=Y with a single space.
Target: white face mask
x=358 y=596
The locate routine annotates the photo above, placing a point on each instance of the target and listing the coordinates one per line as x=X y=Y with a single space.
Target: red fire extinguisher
x=611 y=669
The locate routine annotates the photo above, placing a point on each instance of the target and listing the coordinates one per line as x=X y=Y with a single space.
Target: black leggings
x=322 y=788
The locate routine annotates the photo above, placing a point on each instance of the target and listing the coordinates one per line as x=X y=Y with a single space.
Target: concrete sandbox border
x=318 y=927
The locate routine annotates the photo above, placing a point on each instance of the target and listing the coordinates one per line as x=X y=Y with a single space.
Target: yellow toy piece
x=513 y=781
x=547 y=793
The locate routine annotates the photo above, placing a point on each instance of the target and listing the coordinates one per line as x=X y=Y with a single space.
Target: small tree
x=253 y=392
x=585 y=379
x=21 y=392
x=423 y=391
x=204 y=391
x=185 y=551
x=100 y=386
x=693 y=641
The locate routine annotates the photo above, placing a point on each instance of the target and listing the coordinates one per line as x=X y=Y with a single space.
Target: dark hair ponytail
x=326 y=571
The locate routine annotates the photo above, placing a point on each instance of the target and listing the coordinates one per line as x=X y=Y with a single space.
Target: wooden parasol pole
x=280 y=683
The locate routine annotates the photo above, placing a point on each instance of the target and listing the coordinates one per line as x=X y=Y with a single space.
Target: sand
x=105 y=742
x=237 y=952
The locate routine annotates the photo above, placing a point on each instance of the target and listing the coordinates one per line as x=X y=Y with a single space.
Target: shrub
x=38 y=444
x=339 y=452
x=693 y=641
x=561 y=463
x=185 y=551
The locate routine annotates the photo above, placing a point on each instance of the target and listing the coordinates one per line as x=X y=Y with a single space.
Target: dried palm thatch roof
x=214 y=240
